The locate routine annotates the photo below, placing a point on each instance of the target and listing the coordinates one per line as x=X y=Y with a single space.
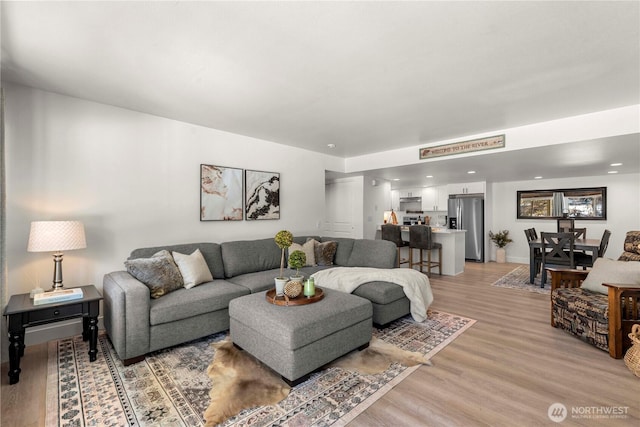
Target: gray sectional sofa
x=138 y=324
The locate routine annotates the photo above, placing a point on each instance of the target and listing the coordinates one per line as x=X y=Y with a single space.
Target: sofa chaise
x=137 y=324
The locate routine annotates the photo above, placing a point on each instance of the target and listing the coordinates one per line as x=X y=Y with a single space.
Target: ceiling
x=365 y=76
x=583 y=158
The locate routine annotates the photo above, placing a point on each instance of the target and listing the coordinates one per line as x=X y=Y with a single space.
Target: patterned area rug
x=519 y=279
x=171 y=387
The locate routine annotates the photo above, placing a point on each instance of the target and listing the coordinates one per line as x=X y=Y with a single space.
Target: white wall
x=623 y=205
x=133 y=180
x=377 y=199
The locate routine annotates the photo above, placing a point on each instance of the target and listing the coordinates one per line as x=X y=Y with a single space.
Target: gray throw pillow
x=160 y=273
x=606 y=270
x=324 y=252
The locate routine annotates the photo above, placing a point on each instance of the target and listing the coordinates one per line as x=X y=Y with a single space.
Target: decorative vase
x=280 y=282
x=501 y=255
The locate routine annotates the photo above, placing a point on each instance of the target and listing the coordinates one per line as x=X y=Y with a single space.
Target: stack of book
x=57 y=296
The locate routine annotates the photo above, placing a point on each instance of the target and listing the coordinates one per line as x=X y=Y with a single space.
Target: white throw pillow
x=308 y=249
x=193 y=268
x=606 y=270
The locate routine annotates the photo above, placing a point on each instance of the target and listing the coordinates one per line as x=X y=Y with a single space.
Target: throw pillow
x=309 y=250
x=324 y=251
x=606 y=270
x=159 y=273
x=193 y=268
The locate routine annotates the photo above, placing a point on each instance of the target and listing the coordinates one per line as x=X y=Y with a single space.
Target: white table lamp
x=56 y=236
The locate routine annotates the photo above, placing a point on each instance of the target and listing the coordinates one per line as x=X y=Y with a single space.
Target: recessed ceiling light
x=331 y=145
x=612 y=172
x=396 y=179
x=615 y=164
x=429 y=176
x=470 y=172
x=537 y=177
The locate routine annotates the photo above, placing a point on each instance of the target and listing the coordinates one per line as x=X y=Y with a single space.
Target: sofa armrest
x=624 y=312
x=566 y=278
x=126 y=314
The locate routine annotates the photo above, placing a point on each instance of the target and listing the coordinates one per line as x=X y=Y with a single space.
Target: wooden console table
x=21 y=314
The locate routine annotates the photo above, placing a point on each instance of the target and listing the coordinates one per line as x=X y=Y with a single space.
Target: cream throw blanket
x=414 y=284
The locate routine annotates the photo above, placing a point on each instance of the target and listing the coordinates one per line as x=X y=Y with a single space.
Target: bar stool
x=421 y=237
x=393 y=233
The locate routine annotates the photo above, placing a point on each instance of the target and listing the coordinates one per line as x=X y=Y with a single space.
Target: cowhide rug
x=378 y=357
x=240 y=381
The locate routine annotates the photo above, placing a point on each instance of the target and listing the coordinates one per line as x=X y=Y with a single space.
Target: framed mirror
x=578 y=203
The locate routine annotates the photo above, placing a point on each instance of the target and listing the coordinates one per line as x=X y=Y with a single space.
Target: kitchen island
x=452 y=248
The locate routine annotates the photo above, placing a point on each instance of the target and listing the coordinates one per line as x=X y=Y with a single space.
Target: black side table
x=21 y=314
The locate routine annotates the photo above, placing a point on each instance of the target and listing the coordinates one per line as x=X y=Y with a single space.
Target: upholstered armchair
x=631 y=247
x=595 y=310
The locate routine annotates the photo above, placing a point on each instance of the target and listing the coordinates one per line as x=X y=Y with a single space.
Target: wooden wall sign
x=480 y=144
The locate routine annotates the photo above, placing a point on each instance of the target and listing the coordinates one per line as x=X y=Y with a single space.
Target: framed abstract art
x=262 y=195
x=220 y=193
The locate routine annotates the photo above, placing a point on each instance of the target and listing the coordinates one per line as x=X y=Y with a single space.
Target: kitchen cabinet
x=410 y=192
x=435 y=198
x=466 y=188
x=395 y=200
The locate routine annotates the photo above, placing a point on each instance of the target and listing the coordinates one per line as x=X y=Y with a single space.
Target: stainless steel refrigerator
x=467 y=213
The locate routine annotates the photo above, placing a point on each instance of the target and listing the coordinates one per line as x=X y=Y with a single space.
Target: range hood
x=410 y=204
x=410 y=199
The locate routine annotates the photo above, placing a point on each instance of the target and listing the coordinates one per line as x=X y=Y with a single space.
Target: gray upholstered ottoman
x=296 y=340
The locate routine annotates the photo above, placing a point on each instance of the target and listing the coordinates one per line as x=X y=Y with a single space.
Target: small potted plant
x=297 y=260
x=283 y=239
x=500 y=239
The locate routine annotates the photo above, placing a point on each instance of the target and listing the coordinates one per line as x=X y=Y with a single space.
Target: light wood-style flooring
x=506 y=370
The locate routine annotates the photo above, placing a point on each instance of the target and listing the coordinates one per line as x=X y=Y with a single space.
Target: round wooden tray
x=299 y=300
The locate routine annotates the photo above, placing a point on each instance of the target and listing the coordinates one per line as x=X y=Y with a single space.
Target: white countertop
x=446 y=231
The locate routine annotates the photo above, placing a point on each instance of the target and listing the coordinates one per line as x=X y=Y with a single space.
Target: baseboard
x=517 y=260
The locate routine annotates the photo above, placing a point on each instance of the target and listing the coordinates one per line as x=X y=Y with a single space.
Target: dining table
x=587 y=245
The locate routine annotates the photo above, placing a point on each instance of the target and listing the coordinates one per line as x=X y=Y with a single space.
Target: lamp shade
x=56 y=236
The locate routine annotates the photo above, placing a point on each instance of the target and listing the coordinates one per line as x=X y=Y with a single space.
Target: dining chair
x=421 y=238
x=531 y=235
x=565 y=225
x=580 y=233
x=393 y=233
x=557 y=250
x=585 y=260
